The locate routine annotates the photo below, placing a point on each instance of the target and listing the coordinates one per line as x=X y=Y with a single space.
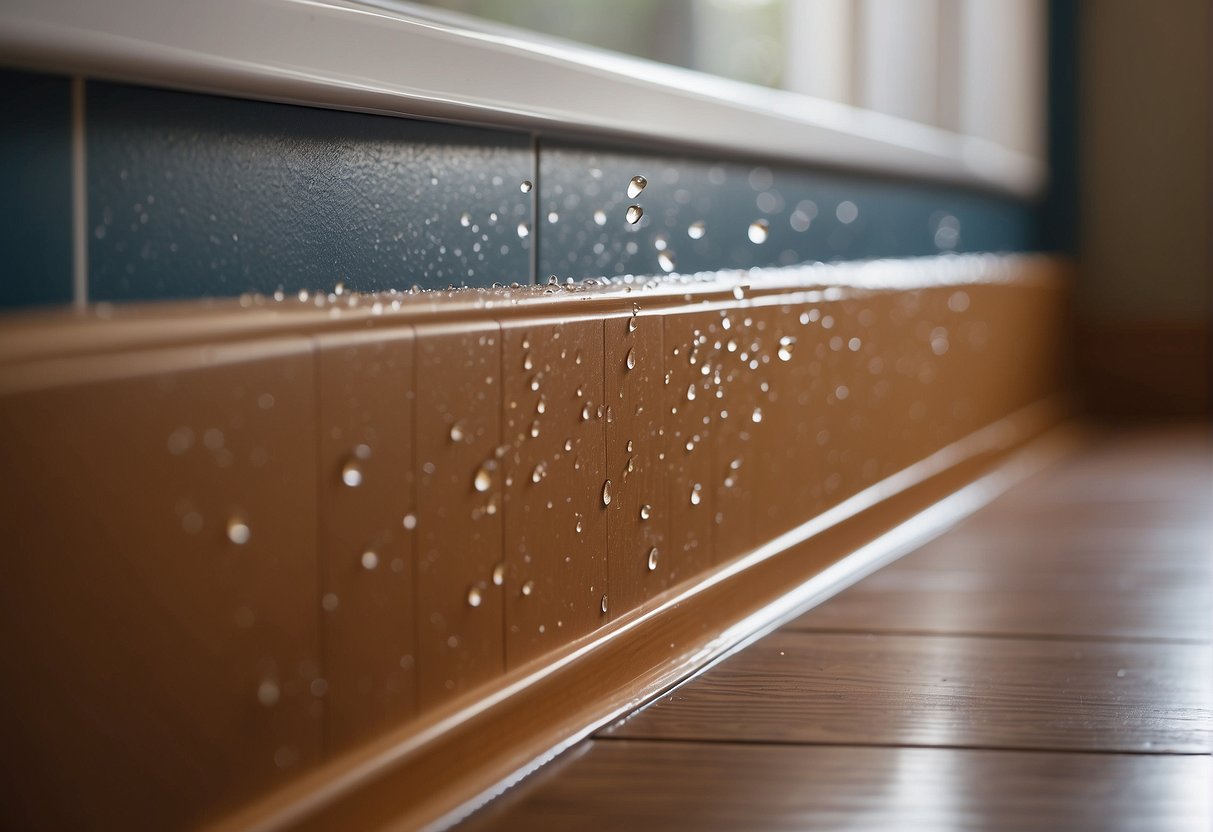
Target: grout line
x=79 y=197
x=735 y=741
x=535 y=221
x=790 y=629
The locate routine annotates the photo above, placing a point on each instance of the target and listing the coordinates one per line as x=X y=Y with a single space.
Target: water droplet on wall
x=474 y=597
x=637 y=184
x=630 y=360
x=482 y=479
x=759 y=231
x=528 y=588
x=696 y=230
x=696 y=499
x=525 y=187
x=457 y=432
x=633 y=214
x=351 y=474
x=665 y=259
x=606 y=493
x=238 y=532
x=653 y=559
x=268 y=693
x=646 y=511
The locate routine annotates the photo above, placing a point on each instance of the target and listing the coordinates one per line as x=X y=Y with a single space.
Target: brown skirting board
x=336 y=561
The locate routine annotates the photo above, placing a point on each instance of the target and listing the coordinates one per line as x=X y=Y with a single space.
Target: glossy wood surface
x=629 y=785
x=946 y=691
x=1048 y=663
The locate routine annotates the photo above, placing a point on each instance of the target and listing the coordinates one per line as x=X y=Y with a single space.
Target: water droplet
x=695 y=496
x=691 y=393
x=540 y=406
x=457 y=432
x=238 y=532
x=785 y=348
x=330 y=602
x=696 y=230
x=526 y=186
x=535 y=429
x=759 y=231
x=665 y=259
x=600 y=217
x=630 y=361
x=653 y=559
x=524 y=230
x=466 y=219
x=646 y=511
x=603 y=606
x=633 y=214
x=351 y=474
x=637 y=184
x=606 y=493
x=629 y=446
x=847 y=212
x=410 y=521
x=539 y=473
x=586 y=412
x=527 y=363
x=499 y=574
x=339 y=289
x=483 y=479
x=578 y=527
x=632 y=324
x=474 y=597
x=268 y=693
x=568 y=444
x=528 y=588
x=370 y=560
x=756 y=416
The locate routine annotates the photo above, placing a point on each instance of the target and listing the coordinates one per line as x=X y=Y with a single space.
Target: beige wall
x=1144 y=146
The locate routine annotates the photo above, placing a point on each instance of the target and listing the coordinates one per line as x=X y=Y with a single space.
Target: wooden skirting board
x=351 y=561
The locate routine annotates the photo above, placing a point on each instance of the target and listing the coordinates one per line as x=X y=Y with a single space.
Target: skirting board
x=433 y=773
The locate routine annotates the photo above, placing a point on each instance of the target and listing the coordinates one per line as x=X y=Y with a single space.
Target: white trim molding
x=406 y=60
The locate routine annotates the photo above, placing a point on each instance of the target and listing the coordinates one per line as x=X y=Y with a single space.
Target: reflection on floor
x=1048 y=663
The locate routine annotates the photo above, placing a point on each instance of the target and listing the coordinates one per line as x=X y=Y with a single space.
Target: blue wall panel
x=195 y=195
x=35 y=190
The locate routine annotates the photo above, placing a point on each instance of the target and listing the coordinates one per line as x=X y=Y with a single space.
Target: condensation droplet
x=600 y=217
x=465 y=219
x=535 y=429
x=756 y=416
x=646 y=511
x=695 y=494
x=696 y=230
x=666 y=260
x=691 y=393
x=526 y=186
x=630 y=360
x=633 y=214
x=474 y=597
x=528 y=588
x=410 y=521
x=457 y=432
x=785 y=348
x=351 y=474
x=603 y=605
x=238 y=532
x=483 y=479
x=330 y=602
x=499 y=574
x=637 y=184
x=759 y=231
x=632 y=323
x=606 y=493
x=370 y=560
x=653 y=559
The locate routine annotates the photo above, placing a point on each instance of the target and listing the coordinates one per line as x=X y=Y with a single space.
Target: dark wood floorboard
x=1046 y=664
x=842 y=688
x=638 y=785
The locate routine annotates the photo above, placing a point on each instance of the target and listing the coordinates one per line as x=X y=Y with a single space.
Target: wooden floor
x=1047 y=664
